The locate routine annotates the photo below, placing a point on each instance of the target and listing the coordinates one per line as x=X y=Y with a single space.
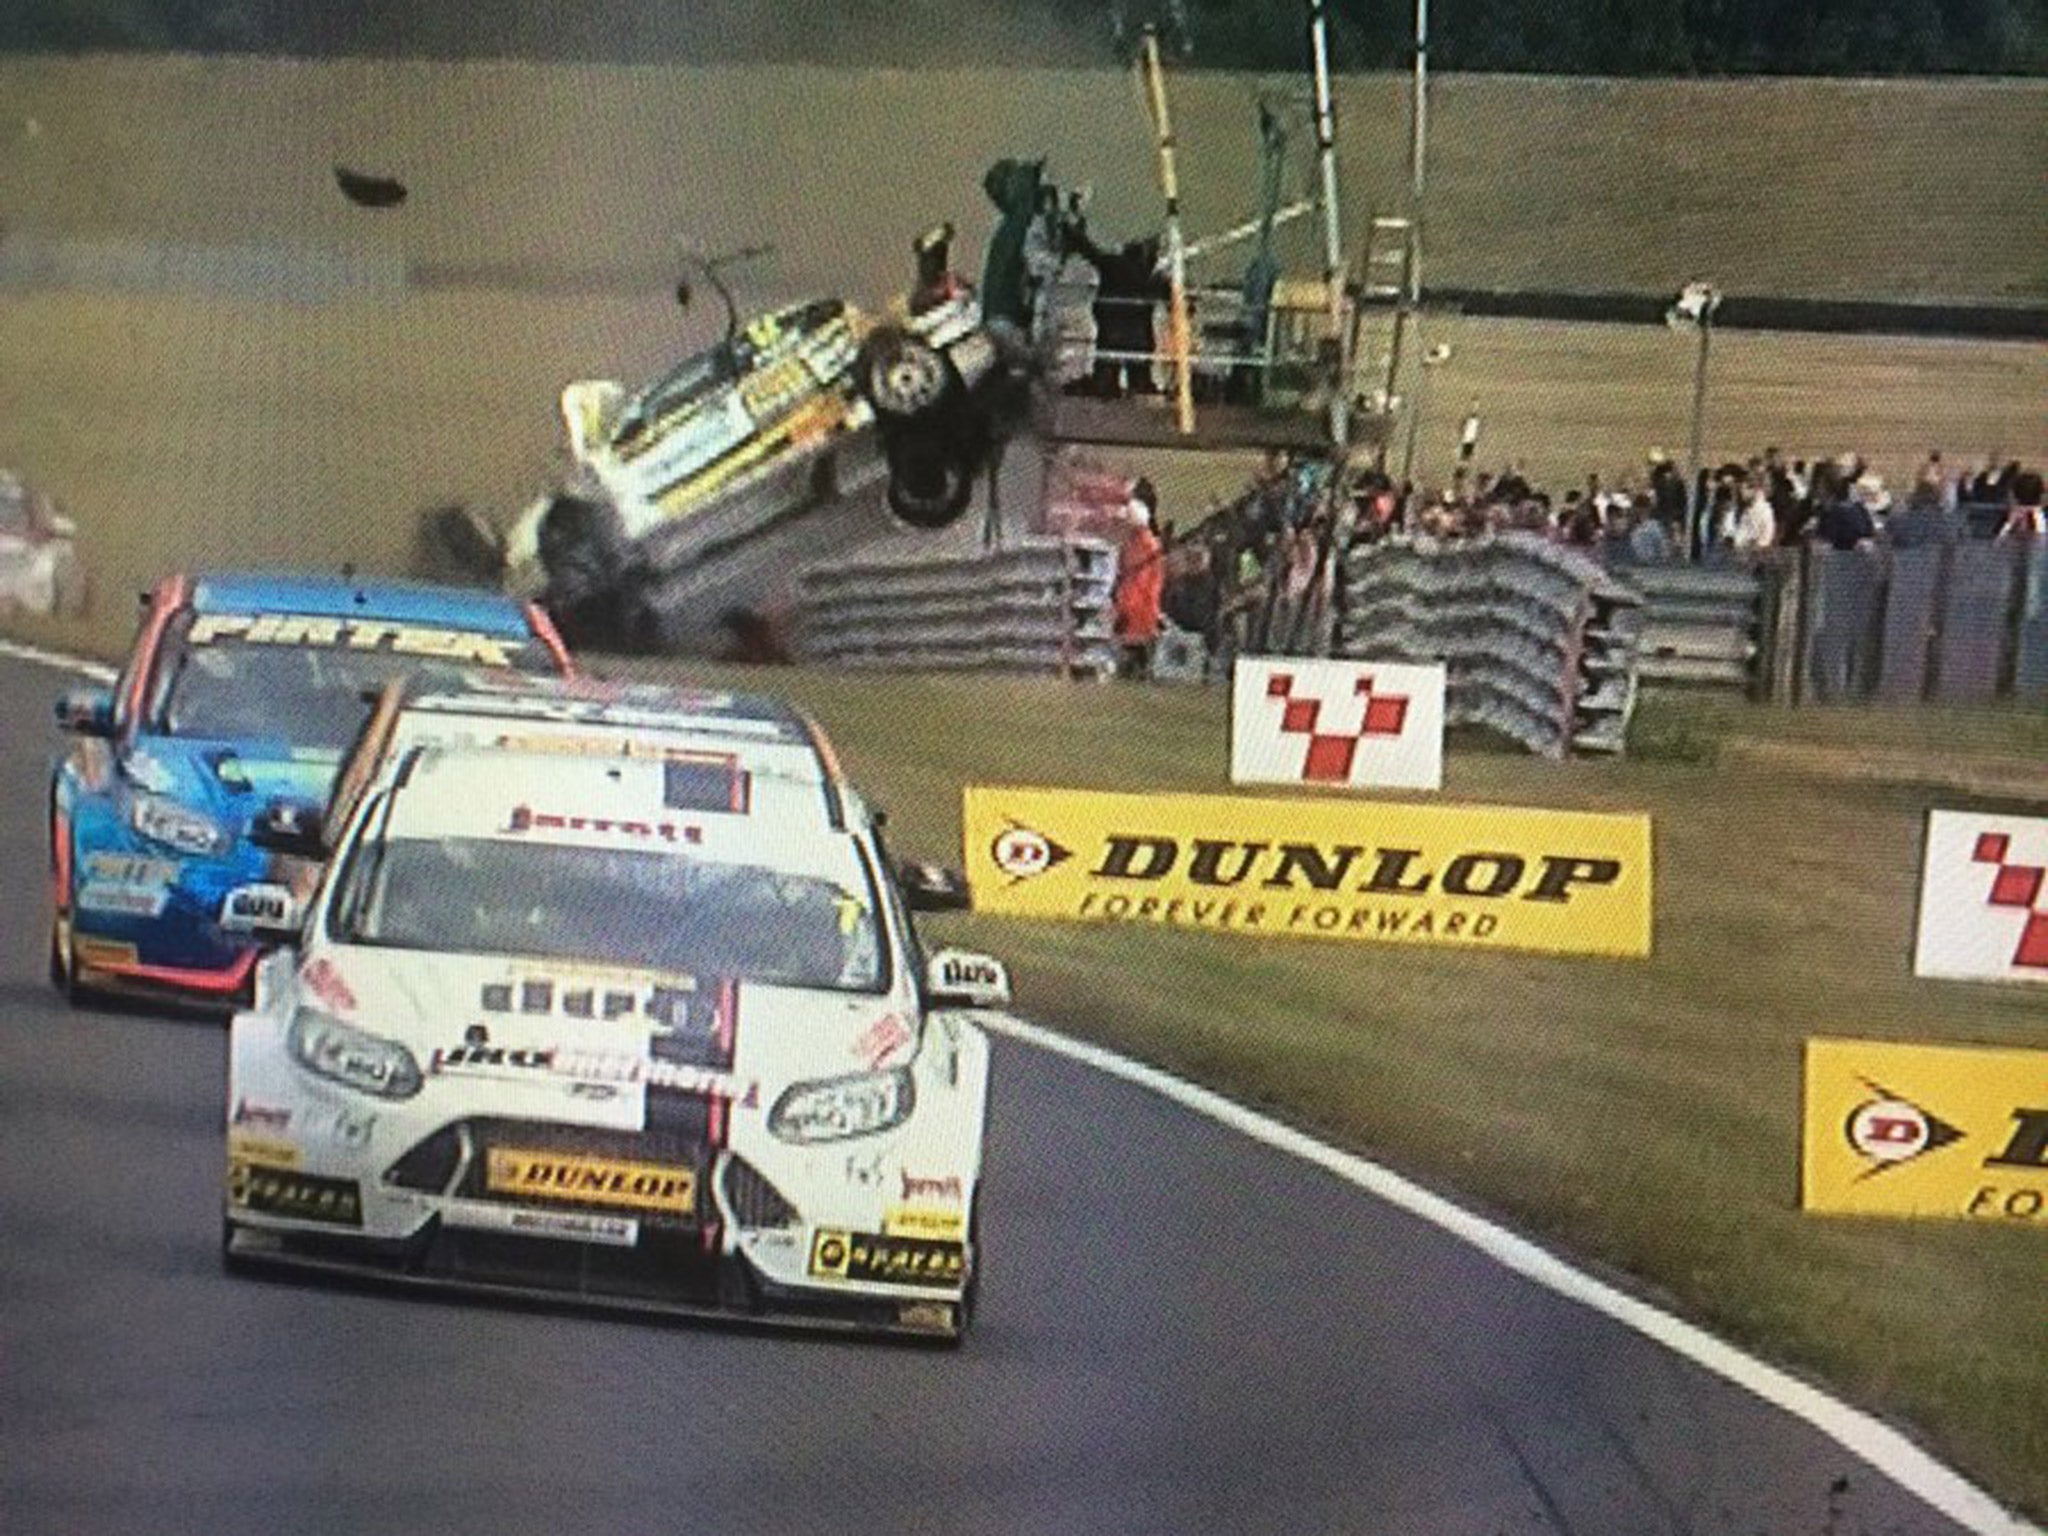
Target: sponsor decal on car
x=917 y=1187
x=121 y=900
x=327 y=985
x=458 y=645
x=772 y=389
x=1340 y=724
x=599 y=1068
x=132 y=869
x=586 y=1180
x=524 y=818
x=842 y=1255
x=265 y=1117
x=719 y=768
x=1925 y=1130
x=881 y=1040
x=967 y=971
x=477 y=1053
x=565 y=1226
x=103 y=951
x=923 y=1221
x=1489 y=876
x=926 y=1316
x=664 y=1000
x=304 y=1196
x=262 y=1151
x=248 y=907
x=1984 y=898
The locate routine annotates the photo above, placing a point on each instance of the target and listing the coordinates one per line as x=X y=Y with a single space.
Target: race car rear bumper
x=683 y=1283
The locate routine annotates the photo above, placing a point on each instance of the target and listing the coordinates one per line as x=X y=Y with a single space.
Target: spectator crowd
x=1743 y=508
x=1258 y=572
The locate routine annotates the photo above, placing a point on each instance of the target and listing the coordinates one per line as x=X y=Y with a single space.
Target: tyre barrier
x=1040 y=606
x=1540 y=643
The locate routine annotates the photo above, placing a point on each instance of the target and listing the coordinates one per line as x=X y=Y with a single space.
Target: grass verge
x=1643 y=1115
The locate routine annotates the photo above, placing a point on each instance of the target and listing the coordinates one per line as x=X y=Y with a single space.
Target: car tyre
x=64 y=964
x=929 y=484
x=230 y=1261
x=905 y=377
x=59 y=964
x=970 y=1296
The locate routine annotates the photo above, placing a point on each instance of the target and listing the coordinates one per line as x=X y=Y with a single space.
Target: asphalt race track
x=1181 y=1331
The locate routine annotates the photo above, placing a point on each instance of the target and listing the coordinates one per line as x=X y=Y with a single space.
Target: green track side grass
x=1641 y=1115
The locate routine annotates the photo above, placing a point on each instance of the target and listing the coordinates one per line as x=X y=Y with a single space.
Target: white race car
x=39 y=568
x=793 y=409
x=612 y=994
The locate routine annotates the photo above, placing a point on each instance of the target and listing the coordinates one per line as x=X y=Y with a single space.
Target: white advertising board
x=1338 y=724
x=1984 y=898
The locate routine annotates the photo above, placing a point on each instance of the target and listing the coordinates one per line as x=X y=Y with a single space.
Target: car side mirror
x=931 y=887
x=290 y=827
x=959 y=978
x=270 y=914
x=87 y=711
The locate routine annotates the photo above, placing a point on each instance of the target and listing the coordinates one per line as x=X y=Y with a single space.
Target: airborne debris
x=367 y=191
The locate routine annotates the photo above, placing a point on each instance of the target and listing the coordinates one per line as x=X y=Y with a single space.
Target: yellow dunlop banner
x=1479 y=875
x=1926 y=1130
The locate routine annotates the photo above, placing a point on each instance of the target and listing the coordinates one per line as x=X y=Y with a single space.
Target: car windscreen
x=221 y=684
x=658 y=911
x=689 y=380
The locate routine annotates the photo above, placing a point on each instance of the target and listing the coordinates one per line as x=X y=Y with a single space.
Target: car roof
x=597 y=720
x=764 y=736
x=682 y=808
x=402 y=602
x=605 y=702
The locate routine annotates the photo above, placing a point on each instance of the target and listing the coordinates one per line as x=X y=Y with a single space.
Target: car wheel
x=904 y=376
x=59 y=960
x=929 y=484
x=230 y=1261
x=971 y=1295
x=738 y=1290
x=581 y=549
x=64 y=963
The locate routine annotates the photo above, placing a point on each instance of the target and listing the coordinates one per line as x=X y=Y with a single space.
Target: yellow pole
x=1177 y=344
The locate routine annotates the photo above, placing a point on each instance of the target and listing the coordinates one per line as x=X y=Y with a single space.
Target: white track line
x=1855 y=1431
x=1898 y=1458
x=95 y=671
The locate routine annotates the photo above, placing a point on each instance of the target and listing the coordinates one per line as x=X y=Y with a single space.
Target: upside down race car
x=613 y=999
x=239 y=688
x=781 y=415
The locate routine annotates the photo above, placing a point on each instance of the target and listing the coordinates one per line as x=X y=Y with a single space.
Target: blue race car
x=241 y=690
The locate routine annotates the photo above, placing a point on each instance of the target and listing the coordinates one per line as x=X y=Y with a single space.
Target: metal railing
x=1042 y=606
x=1270 y=354
x=1701 y=624
x=1966 y=621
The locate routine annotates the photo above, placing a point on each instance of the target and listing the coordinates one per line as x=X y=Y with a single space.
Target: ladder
x=1384 y=288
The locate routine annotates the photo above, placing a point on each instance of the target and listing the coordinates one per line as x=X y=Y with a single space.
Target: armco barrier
x=1700 y=624
x=1962 y=623
x=1540 y=642
x=1040 y=605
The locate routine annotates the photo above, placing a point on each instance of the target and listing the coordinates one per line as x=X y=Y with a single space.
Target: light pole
x=1440 y=353
x=1695 y=306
